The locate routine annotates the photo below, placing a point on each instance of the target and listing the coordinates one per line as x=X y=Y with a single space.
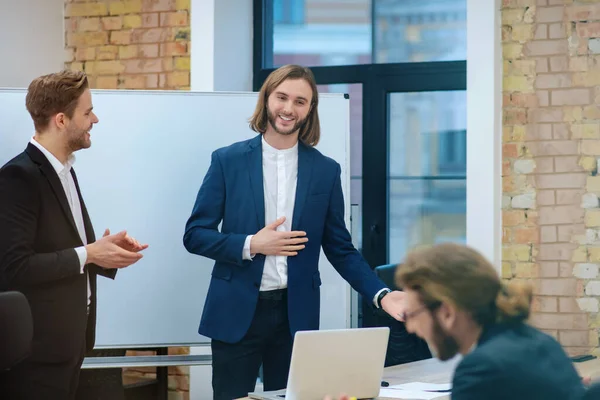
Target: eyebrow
x=285 y=94
x=89 y=109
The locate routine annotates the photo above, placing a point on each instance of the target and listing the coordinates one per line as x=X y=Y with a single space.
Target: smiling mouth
x=286 y=119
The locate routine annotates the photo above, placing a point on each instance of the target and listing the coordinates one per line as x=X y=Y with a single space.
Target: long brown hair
x=310 y=132
x=459 y=275
x=54 y=93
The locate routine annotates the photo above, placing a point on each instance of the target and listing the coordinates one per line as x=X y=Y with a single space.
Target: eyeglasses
x=406 y=315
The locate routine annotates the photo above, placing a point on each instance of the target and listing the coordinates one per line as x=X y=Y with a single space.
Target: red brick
x=560 y=131
x=557 y=31
x=567 y=164
x=548 y=234
x=549 y=14
x=571 y=97
x=546 y=48
x=158 y=5
x=566 y=232
x=175 y=48
x=545 y=198
x=152 y=35
x=541 y=32
x=548 y=269
x=553 y=81
x=582 y=12
x=143 y=66
x=541 y=115
x=553 y=148
x=150 y=20
x=555 y=252
x=572 y=196
x=515 y=116
x=178 y=18
x=565 y=269
x=568 y=305
x=574 y=338
x=544 y=165
x=588 y=29
x=526 y=235
x=149 y=50
x=544 y=304
x=559 y=321
x=524 y=99
x=513 y=217
x=510 y=150
x=538 y=132
x=560 y=215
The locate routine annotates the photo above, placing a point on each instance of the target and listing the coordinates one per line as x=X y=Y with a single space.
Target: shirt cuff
x=377 y=295
x=246 y=254
x=82 y=254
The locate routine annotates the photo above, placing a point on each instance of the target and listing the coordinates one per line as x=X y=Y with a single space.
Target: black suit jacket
x=38 y=237
x=516 y=362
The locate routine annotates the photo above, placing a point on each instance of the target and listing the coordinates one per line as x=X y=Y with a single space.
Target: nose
x=95 y=118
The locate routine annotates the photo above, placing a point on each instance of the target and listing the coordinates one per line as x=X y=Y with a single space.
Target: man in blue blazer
x=279 y=201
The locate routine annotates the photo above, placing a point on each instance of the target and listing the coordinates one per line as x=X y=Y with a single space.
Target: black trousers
x=35 y=380
x=267 y=342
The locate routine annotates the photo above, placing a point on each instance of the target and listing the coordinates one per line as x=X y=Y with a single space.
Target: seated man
x=457 y=303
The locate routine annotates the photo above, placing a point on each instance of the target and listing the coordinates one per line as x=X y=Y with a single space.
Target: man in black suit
x=48 y=250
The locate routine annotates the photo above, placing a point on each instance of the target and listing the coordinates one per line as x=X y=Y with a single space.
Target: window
x=288 y=12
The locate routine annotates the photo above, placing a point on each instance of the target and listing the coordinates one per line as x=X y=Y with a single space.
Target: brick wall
x=130 y=44
x=551 y=147
x=133 y=44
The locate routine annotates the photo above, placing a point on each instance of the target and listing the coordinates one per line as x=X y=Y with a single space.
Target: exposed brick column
x=131 y=44
x=551 y=143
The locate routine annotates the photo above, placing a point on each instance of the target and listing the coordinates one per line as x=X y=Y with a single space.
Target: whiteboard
x=148 y=158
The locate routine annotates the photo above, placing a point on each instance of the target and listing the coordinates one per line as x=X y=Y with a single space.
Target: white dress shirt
x=280 y=176
x=66 y=179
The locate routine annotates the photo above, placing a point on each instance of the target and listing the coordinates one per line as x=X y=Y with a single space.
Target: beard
x=77 y=138
x=273 y=122
x=444 y=346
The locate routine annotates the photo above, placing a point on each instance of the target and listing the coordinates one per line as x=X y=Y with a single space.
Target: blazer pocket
x=221 y=272
x=316 y=280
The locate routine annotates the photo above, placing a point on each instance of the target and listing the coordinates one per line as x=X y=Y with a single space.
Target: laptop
x=331 y=362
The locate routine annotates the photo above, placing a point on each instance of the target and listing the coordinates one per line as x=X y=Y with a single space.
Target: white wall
x=32 y=43
x=221 y=60
x=484 y=129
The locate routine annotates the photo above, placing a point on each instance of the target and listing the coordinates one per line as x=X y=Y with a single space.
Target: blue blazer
x=232 y=193
x=516 y=362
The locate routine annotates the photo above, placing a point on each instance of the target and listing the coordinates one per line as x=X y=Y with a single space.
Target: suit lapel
x=255 y=170
x=305 y=157
x=38 y=157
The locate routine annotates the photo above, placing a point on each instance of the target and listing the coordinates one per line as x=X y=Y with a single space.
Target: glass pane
x=321 y=32
x=334 y=32
x=356 y=107
x=427 y=170
x=420 y=30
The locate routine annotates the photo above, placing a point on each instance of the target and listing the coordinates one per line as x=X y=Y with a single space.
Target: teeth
x=285 y=118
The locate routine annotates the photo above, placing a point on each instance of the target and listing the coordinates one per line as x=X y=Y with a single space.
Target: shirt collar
x=270 y=149
x=60 y=168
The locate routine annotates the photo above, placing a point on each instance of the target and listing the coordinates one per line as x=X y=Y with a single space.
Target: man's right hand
x=107 y=252
x=270 y=242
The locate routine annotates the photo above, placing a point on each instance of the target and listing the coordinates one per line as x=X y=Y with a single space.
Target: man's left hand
x=393 y=304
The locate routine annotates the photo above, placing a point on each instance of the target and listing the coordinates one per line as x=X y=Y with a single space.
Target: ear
x=60 y=120
x=447 y=316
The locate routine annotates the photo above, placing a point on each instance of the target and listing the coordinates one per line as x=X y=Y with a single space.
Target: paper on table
x=427 y=387
x=408 y=394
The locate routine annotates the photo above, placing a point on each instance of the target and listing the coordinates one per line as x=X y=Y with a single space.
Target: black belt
x=273 y=295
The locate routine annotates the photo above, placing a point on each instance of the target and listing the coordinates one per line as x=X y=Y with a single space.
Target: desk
x=435 y=371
